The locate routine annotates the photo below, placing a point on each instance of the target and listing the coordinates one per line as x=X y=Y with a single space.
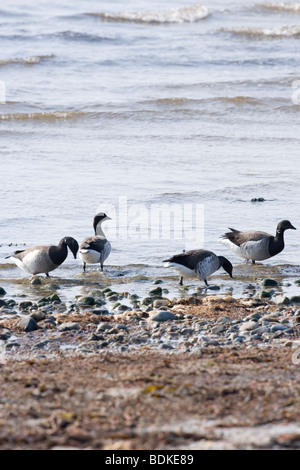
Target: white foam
x=175 y=15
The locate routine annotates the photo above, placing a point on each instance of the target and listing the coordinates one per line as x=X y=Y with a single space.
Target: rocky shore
x=122 y=322
x=198 y=339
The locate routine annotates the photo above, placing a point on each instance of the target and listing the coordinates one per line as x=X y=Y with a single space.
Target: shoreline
x=204 y=372
x=121 y=322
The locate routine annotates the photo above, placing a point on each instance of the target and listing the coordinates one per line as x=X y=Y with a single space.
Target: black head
x=99 y=218
x=226 y=265
x=72 y=244
x=284 y=225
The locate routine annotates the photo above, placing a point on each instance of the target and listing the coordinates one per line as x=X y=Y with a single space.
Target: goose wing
x=94 y=243
x=239 y=238
x=190 y=258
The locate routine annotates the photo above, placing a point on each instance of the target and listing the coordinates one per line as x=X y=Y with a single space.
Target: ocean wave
x=187 y=14
x=191 y=102
x=79 y=36
x=26 y=60
x=288 y=7
x=43 y=116
x=240 y=100
x=277 y=32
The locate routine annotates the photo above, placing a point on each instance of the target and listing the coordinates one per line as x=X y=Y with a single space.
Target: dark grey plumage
x=257 y=245
x=198 y=263
x=44 y=258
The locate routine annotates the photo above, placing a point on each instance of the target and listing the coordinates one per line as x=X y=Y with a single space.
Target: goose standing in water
x=198 y=263
x=255 y=245
x=97 y=248
x=44 y=258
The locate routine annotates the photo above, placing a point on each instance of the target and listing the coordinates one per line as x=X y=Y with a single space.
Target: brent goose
x=44 y=258
x=198 y=263
x=255 y=245
x=97 y=248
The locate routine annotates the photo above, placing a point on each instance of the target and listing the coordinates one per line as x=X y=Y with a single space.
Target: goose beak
x=292 y=227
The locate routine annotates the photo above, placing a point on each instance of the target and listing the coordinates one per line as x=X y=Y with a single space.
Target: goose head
x=99 y=218
x=284 y=225
x=226 y=265
x=72 y=244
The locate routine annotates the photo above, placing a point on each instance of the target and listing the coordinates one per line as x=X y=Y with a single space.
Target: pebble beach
x=106 y=320
x=106 y=370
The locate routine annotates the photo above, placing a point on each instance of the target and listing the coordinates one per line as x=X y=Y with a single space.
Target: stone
x=28 y=324
x=162 y=316
x=38 y=315
x=239 y=339
x=269 y=283
x=264 y=294
x=282 y=300
x=120 y=326
x=160 y=303
x=122 y=308
x=102 y=327
x=25 y=305
x=249 y=326
x=2 y=291
x=36 y=281
x=218 y=329
x=96 y=293
x=165 y=346
x=5 y=334
x=156 y=292
x=278 y=327
x=85 y=301
x=51 y=286
x=100 y=311
x=68 y=326
x=147 y=301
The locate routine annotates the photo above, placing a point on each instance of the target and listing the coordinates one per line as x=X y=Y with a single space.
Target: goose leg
x=181 y=281
x=83 y=266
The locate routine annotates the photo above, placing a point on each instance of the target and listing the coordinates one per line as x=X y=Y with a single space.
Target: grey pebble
x=100 y=311
x=68 y=326
x=278 y=327
x=102 y=327
x=162 y=316
x=28 y=324
x=5 y=334
x=165 y=346
x=249 y=325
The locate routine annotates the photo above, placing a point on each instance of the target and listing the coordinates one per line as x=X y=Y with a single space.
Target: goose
x=256 y=245
x=97 y=248
x=44 y=258
x=198 y=263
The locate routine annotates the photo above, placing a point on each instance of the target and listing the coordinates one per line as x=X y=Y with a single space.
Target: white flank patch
x=254 y=250
x=182 y=270
x=234 y=248
x=89 y=256
x=30 y=262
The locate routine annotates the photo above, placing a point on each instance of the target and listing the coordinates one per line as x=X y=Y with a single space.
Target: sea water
x=153 y=112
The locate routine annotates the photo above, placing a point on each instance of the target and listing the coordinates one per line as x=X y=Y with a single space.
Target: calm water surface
x=180 y=103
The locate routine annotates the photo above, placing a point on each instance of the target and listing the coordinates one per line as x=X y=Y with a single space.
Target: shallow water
x=189 y=105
